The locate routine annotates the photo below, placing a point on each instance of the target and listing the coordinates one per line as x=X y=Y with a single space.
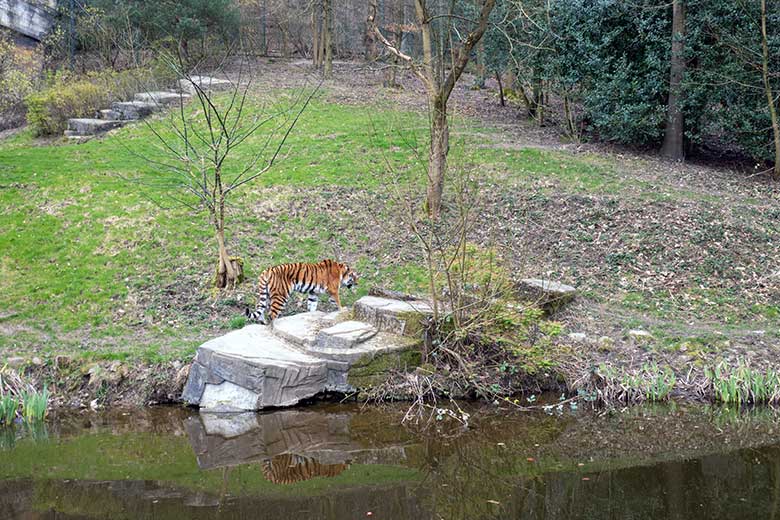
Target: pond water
x=340 y=462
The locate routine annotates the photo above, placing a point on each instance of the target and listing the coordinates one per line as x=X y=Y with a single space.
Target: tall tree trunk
x=263 y=29
x=768 y=89
x=315 y=35
x=437 y=160
x=674 y=137
x=327 y=8
x=368 y=39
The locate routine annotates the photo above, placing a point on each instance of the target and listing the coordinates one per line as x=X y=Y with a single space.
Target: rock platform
x=300 y=356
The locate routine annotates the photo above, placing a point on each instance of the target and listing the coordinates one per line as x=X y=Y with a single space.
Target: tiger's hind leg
x=258 y=315
x=278 y=301
x=313 y=301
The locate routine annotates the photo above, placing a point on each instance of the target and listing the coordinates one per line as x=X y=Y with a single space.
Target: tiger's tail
x=258 y=315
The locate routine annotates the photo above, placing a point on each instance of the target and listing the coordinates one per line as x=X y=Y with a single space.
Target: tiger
x=278 y=282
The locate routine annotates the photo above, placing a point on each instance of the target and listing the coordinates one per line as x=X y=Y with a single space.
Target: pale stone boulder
x=395 y=316
x=546 y=293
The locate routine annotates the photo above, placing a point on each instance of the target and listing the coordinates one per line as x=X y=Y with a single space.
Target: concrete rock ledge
x=303 y=355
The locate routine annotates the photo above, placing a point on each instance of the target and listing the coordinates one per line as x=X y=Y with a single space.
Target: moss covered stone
x=370 y=370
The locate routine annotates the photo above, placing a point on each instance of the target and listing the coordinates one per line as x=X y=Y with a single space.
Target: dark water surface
x=338 y=462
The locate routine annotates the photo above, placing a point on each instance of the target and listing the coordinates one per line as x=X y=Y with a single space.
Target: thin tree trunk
x=768 y=89
x=500 y=89
x=327 y=8
x=674 y=137
x=437 y=161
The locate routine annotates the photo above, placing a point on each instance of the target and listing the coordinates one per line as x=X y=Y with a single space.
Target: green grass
x=90 y=264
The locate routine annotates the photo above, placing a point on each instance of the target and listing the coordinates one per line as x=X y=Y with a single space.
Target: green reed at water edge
x=35 y=405
x=744 y=384
x=8 y=407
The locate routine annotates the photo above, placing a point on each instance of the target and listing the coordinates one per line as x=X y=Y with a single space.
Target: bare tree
x=673 y=139
x=770 y=98
x=438 y=83
x=199 y=145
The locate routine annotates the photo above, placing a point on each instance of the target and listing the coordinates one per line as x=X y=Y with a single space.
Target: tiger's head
x=349 y=278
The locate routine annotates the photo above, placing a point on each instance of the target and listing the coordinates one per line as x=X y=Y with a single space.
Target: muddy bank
x=74 y=383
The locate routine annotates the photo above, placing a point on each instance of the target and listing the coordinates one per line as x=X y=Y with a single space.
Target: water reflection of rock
x=319 y=442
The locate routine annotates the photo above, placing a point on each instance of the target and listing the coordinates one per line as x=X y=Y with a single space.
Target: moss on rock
x=370 y=371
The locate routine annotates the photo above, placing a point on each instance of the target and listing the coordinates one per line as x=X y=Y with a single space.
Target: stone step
x=133 y=110
x=380 y=344
x=345 y=335
x=90 y=126
x=160 y=97
x=108 y=114
x=299 y=329
x=400 y=317
x=205 y=83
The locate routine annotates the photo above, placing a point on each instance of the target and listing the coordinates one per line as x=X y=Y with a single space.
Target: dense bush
x=48 y=110
x=612 y=59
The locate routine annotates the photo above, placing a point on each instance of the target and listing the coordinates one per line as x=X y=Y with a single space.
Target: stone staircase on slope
x=306 y=354
x=142 y=105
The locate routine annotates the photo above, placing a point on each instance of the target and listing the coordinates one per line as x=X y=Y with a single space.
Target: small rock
x=639 y=334
x=15 y=362
x=37 y=361
x=578 y=336
x=94 y=404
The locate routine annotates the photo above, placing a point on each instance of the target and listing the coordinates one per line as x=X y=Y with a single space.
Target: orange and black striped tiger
x=277 y=282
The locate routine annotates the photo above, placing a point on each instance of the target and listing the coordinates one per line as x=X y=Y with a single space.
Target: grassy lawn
x=92 y=265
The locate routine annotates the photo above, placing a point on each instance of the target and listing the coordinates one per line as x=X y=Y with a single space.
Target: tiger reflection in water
x=289 y=468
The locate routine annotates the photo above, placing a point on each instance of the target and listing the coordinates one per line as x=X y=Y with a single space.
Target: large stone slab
x=546 y=293
x=395 y=316
x=269 y=371
x=90 y=126
x=160 y=97
x=300 y=356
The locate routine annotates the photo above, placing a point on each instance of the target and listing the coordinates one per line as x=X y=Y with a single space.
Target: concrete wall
x=30 y=18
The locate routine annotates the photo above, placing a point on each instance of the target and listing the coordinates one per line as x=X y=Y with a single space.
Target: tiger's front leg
x=334 y=297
